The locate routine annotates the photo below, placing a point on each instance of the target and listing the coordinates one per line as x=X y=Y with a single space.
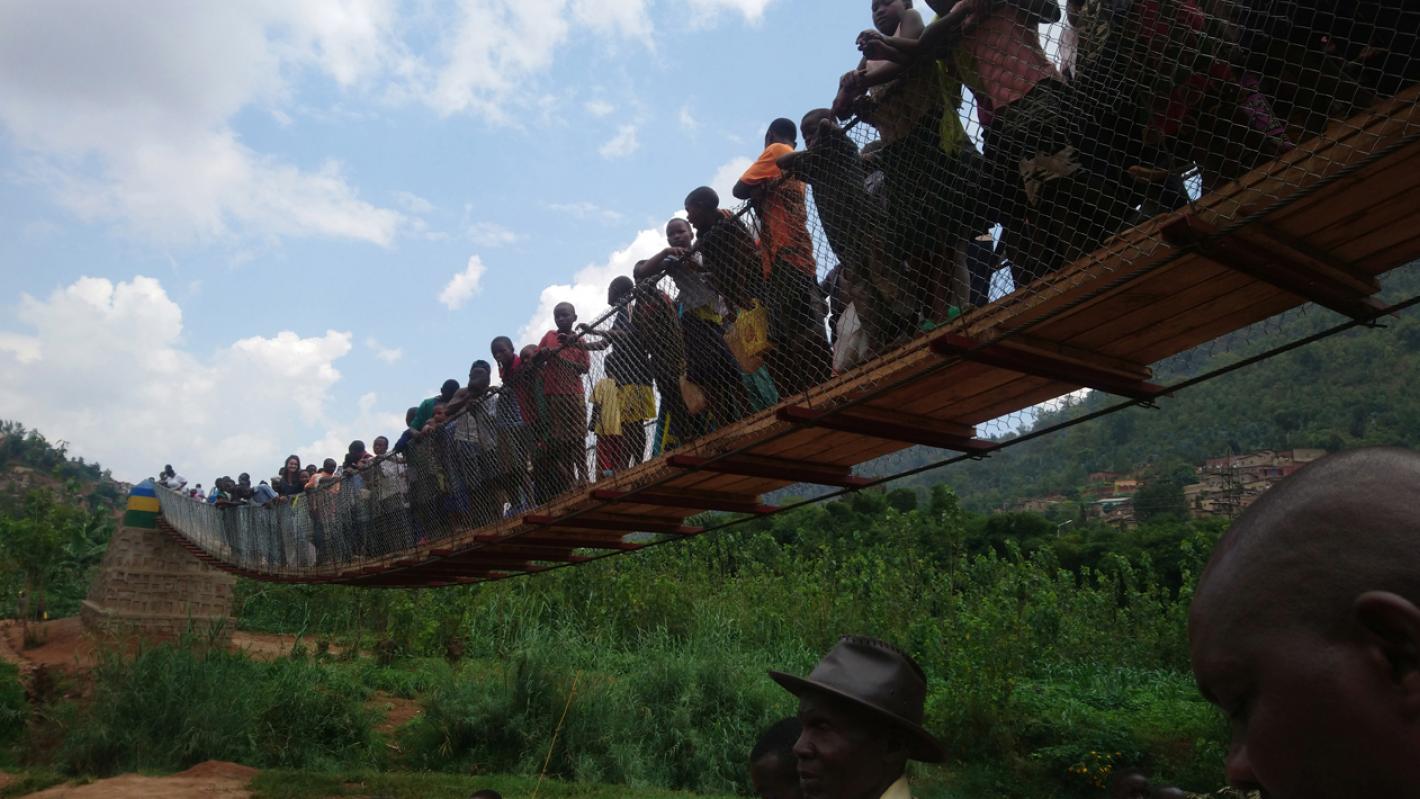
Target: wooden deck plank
x=1128 y=338
x=1403 y=211
x=1350 y=200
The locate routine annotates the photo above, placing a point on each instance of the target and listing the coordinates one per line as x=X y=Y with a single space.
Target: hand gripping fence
x=1028 y=202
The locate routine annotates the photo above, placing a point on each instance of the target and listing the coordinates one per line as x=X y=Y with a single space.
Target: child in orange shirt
x=800 y=358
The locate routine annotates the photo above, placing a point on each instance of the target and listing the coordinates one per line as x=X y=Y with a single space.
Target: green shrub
x=674 y=714
x=14 y=710
x=1080 y=722
x=172 y=706
x=1037 y=656
x=407 y=678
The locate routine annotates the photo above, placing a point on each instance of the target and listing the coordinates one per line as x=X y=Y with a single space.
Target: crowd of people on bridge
x=1072 y=138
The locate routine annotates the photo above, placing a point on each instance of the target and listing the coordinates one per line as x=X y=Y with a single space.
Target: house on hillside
x=1229 y=484
x=1114 y=511
x=1041 y=505
x=1099 y=485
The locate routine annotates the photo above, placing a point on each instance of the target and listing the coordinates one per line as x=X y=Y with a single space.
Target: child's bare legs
x=633 y=443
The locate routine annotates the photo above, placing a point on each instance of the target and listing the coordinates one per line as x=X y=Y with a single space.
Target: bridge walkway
x=1318 y=225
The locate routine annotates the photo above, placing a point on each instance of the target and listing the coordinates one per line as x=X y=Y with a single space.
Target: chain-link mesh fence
x=1004 y=175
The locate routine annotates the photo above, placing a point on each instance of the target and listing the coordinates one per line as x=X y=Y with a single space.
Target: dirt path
x=66 y=646
x=397 y=711
x=211 y=779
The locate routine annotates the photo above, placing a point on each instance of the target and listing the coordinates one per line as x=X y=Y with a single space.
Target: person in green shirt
x=426 y=408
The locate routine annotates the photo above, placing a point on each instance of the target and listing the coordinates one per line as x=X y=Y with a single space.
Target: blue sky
x=229 y=231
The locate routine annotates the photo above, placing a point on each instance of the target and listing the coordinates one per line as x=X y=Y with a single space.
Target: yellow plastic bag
x=748 y=338
x=693 y=397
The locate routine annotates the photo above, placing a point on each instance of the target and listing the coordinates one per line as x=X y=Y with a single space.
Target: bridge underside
x=1237 y=256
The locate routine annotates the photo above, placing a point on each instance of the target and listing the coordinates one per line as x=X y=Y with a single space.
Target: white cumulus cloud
x=492 y=49
x=687 y=119
x=725 y=178
x=103 y=365
x=492 y=234
x=587 y=290
x=624 y=143
x=598 y=108
x=462 y=286
x=493 y=52
x=629 y=18
x=708 y=10
x=369 y=421
x=386 y=354
x=413 y=203
x=130 y=122
x=586 y=211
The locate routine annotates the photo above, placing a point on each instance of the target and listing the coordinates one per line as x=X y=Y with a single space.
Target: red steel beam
x=1284 y=270
x=1037 y=364
x=614 y=525
x=515 y=548
x=908 y=433
x=693 y=501
x=559 y=541
x=789 y=471
x=475 y=568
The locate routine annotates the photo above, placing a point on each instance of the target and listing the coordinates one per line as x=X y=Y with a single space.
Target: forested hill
x=1353 y=389
x=29 y=461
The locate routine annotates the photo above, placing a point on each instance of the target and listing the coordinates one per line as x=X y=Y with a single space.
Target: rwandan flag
x=142 y=506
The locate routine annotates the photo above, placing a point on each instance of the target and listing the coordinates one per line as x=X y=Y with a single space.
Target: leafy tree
x=1161 y=496
x=33 y=546
x=49 y=549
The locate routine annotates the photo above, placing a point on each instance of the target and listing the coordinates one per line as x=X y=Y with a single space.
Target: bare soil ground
x=211 y=779
x=397 y=711
x=66 y=646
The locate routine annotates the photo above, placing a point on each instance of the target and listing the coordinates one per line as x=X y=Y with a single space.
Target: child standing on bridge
x=800 y=358
x=565 y=362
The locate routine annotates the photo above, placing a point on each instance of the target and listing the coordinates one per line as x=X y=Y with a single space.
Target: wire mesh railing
x=966 y=168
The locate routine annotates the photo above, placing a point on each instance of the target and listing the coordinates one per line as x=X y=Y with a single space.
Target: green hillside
x=57 y=514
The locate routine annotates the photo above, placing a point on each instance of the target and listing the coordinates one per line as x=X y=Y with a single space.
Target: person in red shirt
x=515 y=417
x=801 y=357
x=564 y=363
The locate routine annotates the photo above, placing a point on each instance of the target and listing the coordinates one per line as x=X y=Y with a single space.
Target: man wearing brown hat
x=861 y=708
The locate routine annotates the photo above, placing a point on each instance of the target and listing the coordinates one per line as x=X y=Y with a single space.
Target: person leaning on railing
x=800 y=357
x=1052 y=205
x=623 y=401
x=517 y=412
x=292 y=479
x=710 y=386
x=563 y=363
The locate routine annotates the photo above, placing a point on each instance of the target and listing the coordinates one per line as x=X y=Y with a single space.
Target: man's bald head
x=1305 y=630
x=1305 y=550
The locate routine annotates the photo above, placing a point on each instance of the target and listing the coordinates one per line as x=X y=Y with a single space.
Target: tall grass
x=172 y=706
x=14 y=711
x=669 y=712
x=1042 y=678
